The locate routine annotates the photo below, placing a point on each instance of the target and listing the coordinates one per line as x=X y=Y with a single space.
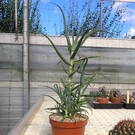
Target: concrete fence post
x=26 y=83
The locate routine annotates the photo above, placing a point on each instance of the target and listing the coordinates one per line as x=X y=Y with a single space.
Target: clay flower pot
x=103 y=100
x=68 y=128
x=116 y=100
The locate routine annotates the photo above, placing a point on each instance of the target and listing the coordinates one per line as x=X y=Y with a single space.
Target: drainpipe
x=26 y=83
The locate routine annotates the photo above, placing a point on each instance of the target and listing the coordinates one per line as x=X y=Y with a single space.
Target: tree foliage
x=7 y=16
x=111 y=19
x=133 y=37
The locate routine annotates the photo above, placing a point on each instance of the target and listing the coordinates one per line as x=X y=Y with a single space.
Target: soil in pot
x=68 y=126
x=116 y=100
x=102 y=100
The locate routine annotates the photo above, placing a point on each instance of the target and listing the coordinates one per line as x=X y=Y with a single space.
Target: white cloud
x=130 y=33
x=45 y=1
x=129 y=15
x=119 y=5
x=55 y=10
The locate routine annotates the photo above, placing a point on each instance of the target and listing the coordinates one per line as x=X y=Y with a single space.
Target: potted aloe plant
x=70 y=116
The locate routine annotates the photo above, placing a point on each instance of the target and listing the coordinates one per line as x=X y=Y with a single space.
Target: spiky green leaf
x=84 y=24
x=78 y=45
x=65 y=28
x=57 y=51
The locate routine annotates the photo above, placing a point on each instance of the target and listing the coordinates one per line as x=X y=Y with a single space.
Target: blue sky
x=50 y=15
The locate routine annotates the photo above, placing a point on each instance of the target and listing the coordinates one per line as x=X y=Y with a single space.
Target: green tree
x=7 y=16
x=133 y=37
x=110 y=19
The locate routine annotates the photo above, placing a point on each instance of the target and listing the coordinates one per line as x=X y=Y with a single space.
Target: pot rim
x=71 y=124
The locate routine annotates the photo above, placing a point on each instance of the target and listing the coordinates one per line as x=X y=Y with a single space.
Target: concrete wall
x=117 y=61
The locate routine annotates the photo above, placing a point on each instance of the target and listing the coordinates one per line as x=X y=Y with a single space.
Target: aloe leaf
x=57 y=90
x=82 y=73
x=64 y=117
x=81 y=59
x=53 y=108
x=84 y=24
x=88 y=81
x=73 y=36
x=64 y=85
x=106 y=78
x=79 y=43
x=89 y=34
x=51 y=88
x=65 y=28
x=75 y=87
x=87 y=107
x=83 y=38
x=57 y=51
x=54 y=99
x=84 y=89
x=64 y=69
x=82 y=110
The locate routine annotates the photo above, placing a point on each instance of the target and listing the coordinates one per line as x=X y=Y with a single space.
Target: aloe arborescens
x=72 y=100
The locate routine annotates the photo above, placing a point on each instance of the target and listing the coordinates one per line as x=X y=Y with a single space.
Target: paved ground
x=100 y=120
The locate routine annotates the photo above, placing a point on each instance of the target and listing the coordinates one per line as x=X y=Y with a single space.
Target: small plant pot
x=102 y=100
x=116 y=100
x=68 y=128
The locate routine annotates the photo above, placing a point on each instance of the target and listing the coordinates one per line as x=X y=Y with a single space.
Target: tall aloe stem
x=71 y=67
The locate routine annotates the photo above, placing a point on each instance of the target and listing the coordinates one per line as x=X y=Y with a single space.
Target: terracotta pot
x=102 y=100
x=68 y=128
x=116 y=100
